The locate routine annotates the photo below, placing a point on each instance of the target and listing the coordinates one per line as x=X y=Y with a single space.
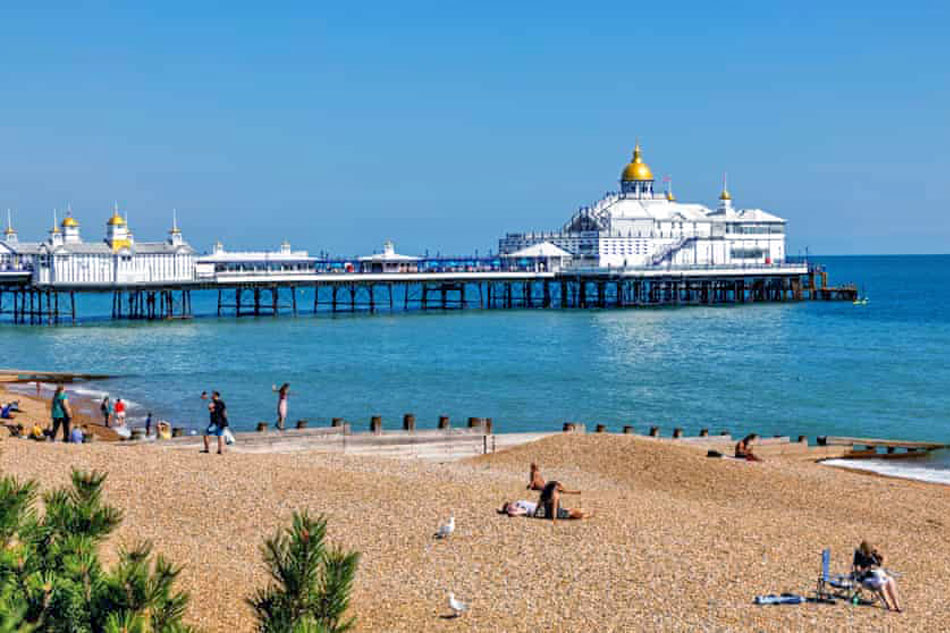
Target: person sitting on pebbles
x=744 y=448
x=549 y=503
x=535 y=480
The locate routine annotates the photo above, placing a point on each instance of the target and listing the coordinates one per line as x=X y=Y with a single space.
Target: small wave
x=891 y=469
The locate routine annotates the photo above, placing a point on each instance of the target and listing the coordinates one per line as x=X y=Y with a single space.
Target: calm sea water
x=806 y=368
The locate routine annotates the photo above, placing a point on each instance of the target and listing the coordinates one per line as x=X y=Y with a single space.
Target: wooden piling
x=261 y=427
x=444 y=423
x=301 y=424
x=677 y=433
x=628 y=429
x=703 y=432
x=488 y=423
x=600 y=428
x=337 y=422
x=376 y=424
x=408 y=422
x=654 y=431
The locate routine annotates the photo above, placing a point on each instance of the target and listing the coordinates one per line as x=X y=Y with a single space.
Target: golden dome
x=116 y=220
x=670 y=196
x=725 y=195
x=636 y=169
x=69 y=222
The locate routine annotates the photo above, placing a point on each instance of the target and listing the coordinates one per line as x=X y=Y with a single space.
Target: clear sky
x=442 y=125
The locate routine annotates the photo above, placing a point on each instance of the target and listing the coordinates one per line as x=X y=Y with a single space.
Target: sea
x=807 y=368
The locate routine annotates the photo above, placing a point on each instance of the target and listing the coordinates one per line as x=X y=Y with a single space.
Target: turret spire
x=10 y=233
x=725 y=195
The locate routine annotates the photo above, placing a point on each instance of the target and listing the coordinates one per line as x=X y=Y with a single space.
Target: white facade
x=258 y=263
x=638 y=228
x=64 y=259
x=389 y=261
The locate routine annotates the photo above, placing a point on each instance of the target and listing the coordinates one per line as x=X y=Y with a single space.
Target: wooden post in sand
x=628 y=429
x=261 y=427
x=409 y=422
x=703 y=432
x=803 y=439
x=337 y=422
x=177 y=431
x=444 y=423
x=487 y=424
x=474 y=423
x=654 y=431
x=376 y=424
x=600 y=428
x=677 y=433
x=301 y=424
x=568 y=427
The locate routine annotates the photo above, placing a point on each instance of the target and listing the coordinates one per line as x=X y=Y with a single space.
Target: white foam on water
x=892 y=469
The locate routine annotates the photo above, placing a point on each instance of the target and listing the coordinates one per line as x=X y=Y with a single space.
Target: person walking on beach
x=148 y=424
x=282 y=394
x=61 y=413
x=219 y=422
x=106 y=409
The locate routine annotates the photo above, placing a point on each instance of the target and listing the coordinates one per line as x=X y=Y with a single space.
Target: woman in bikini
x=869 y=571
x=282 y=394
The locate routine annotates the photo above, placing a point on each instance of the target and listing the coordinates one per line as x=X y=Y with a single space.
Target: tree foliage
x=310 y=583
x=51 y=579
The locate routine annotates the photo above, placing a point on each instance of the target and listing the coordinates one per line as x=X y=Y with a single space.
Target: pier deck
x=271 y=293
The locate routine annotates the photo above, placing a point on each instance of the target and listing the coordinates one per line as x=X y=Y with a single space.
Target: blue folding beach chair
x=842 y=586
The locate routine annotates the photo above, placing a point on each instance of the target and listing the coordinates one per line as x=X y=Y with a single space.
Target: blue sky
x=442 y=125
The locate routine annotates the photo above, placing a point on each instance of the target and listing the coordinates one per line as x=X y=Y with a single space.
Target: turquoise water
x=806 y=368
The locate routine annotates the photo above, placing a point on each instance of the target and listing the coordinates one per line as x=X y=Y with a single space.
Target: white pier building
x=221 y=263
x=64 y=259
x=638 y=227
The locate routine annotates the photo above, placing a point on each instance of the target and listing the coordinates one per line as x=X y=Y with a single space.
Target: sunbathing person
x=869 y=571
x=518 y=508
x=744 y=448
x=535 y=480
x=549 y=503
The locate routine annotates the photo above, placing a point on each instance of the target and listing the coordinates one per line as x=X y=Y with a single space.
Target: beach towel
x=785 y=598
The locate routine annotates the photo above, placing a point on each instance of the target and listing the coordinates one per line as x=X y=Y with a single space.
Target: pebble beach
x=679 y=541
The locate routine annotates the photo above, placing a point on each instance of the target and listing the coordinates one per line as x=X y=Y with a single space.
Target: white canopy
x=544 y=250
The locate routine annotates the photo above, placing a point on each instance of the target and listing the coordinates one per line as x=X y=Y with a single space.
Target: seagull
x=446 y=529
x=458 y=607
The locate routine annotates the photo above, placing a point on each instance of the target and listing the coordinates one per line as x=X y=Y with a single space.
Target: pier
x=480 y=284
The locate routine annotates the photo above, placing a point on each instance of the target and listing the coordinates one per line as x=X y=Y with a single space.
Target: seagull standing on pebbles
x=458 y=607
x=446 y=529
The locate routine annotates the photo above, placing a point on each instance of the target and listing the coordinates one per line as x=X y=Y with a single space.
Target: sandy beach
x=679 y=541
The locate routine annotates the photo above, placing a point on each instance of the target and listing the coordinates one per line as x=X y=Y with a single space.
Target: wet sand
x=680 y=542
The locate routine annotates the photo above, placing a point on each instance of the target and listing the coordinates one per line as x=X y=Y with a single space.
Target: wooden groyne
x=29 y=375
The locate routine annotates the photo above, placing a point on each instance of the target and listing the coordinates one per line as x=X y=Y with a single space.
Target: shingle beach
x=679 y=541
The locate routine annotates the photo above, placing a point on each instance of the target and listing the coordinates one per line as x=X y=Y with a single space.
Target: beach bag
x=228 y=436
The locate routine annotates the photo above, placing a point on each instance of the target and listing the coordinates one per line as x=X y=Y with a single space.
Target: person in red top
x=120 y=411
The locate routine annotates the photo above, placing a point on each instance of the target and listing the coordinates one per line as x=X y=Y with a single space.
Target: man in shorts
x=218 y=413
